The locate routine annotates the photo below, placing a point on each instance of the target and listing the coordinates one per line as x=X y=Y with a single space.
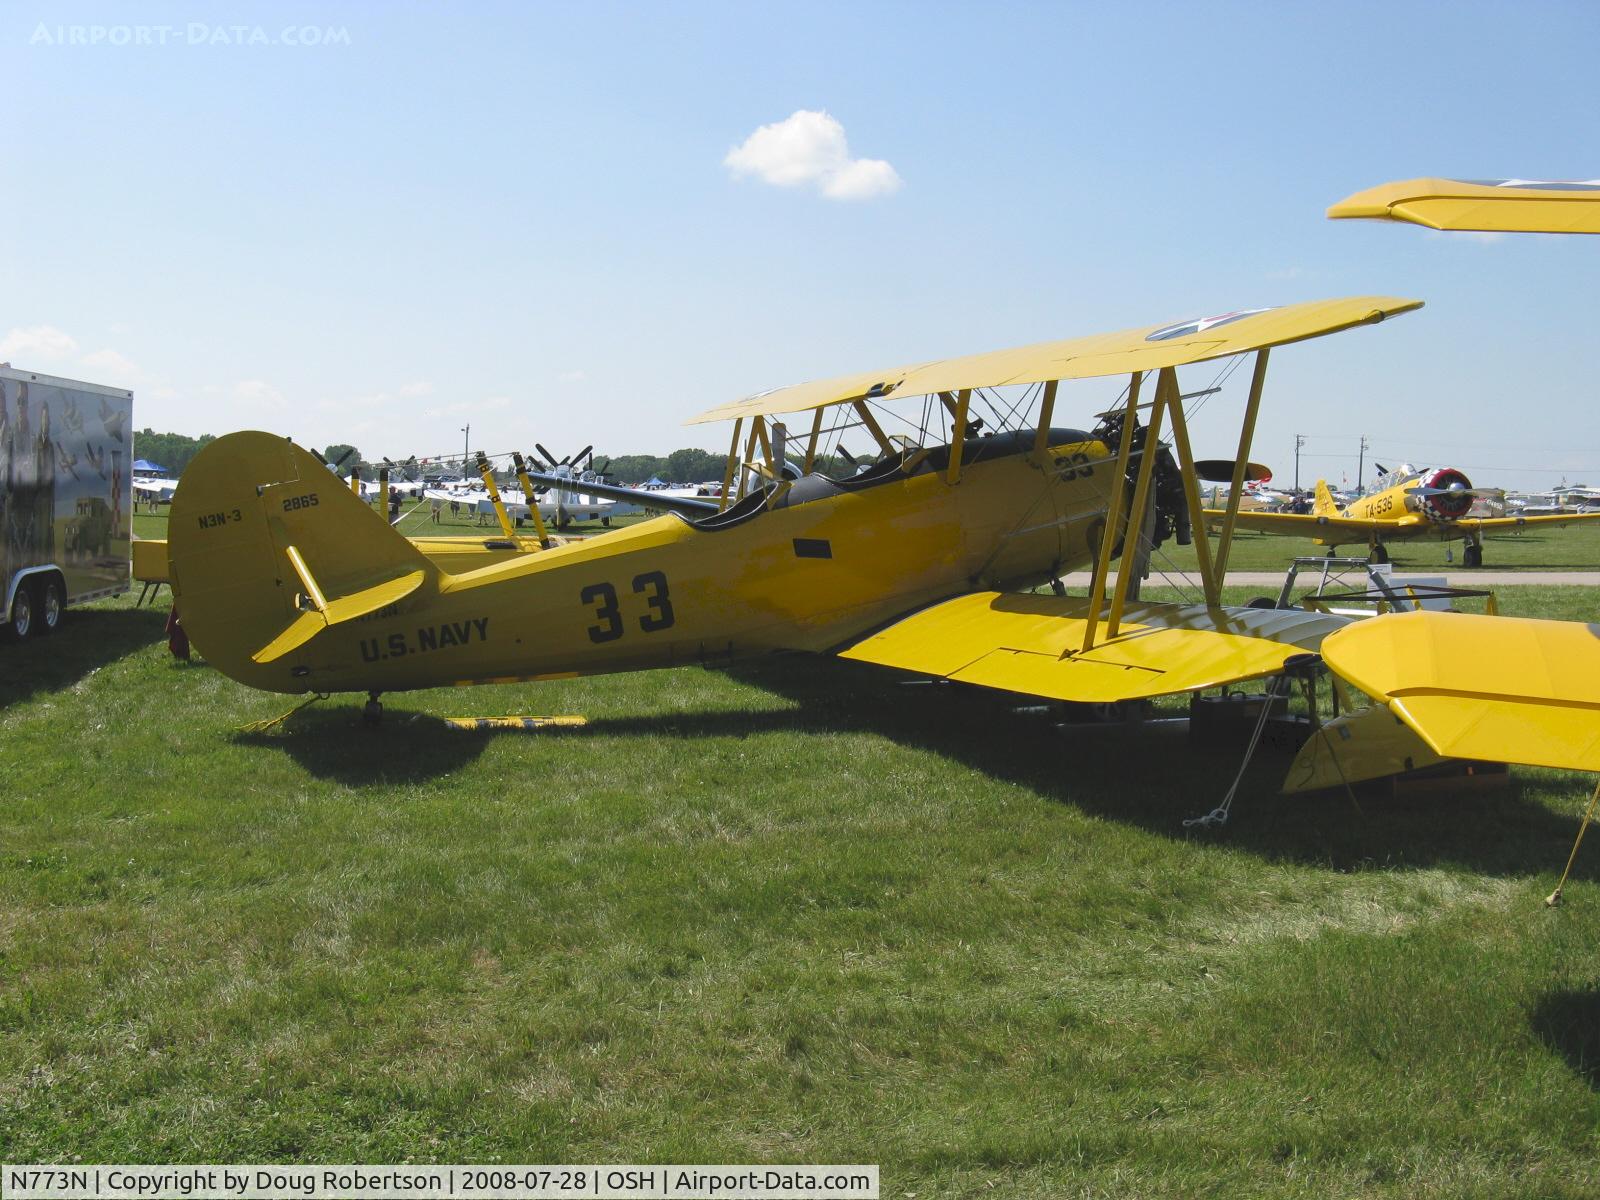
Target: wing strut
x=811 y=444
x=1191 y=489
x=1241 y=463
x=1126 y=565
x=727 y=471
x=876 y=430
x=533 y=501
x=1047 y=409
x=1108 y=536
x=952 y=471
x=486 y=469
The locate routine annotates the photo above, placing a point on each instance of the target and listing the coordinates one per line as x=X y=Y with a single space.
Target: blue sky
x=520 y=215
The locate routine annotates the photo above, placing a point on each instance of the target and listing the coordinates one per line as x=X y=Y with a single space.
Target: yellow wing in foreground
x=1495 y=206
x=1029 y=644
x=1506 y=688
x=1145 y=349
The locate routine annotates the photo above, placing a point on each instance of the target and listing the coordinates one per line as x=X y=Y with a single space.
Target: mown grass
x=800 y=911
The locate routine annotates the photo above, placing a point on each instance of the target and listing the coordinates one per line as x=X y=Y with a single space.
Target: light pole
x=466 y=447
x=1361 y=461
x=1299 y=440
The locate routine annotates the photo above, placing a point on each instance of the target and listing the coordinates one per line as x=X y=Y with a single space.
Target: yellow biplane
x=287 y=582
x=1406 y=504
x=920 y=560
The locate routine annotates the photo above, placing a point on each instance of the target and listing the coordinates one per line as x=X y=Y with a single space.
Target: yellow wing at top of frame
x=1488 y=205
x=1130 y=350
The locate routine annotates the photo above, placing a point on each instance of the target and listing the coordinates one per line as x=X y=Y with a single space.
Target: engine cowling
x=1452 y=499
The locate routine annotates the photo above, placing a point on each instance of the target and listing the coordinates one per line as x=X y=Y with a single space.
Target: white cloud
x=810 y=148
x=36 y=342
x=257 y=392
x=578 y=376
x=107 y=366
x=420 y=387
x=468 y=407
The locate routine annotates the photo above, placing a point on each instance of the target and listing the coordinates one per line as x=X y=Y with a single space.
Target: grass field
x=800 y=911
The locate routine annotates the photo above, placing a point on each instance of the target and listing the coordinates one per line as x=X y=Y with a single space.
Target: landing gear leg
x=372 y=714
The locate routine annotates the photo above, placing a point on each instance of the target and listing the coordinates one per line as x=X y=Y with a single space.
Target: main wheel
x=1380 y=553
x=1472 y=556
x=52 y=604
x=21 y=626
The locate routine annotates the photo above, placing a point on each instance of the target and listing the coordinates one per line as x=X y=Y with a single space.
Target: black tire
x=22 y=625
x=1380 y=553
x=52 y=604
x=1472 y=556
x=1263 y=602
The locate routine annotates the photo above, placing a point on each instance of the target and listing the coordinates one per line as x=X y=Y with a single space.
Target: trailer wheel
x=52 y=604
x=20 y=627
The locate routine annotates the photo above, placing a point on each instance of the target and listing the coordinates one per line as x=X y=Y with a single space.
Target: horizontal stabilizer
x=335 y=612
x=1032 y=644
x=1509 y=689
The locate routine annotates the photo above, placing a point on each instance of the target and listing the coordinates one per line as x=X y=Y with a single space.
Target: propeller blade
x=1220 y=470
x=549 y=459
x=1458 y=491
x=342 y=458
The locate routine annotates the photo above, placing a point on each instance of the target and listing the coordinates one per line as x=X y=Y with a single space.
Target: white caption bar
x=369 y=1182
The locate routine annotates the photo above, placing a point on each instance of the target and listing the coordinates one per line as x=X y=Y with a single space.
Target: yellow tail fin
x=268 y=549
x=1326 y=505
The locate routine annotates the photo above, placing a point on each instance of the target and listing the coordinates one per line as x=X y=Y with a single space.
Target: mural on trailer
x=64 y=473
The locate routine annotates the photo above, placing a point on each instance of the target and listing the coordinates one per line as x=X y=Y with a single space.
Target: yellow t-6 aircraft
x=287 y=582
x=1405 y=504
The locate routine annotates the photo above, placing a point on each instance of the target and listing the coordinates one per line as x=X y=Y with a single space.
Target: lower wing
x=1511 y=689
x=1033 y=644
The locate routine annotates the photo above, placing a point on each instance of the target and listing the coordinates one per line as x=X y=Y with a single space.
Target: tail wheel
x=21 y=626
x=52 y=604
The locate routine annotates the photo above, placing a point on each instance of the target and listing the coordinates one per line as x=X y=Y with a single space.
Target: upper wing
x=1493 y=205
x=1030 y=644
x=1510 y=689
x=1121 y=353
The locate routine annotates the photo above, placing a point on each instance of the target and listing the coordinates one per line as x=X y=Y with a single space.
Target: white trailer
x=66 y=497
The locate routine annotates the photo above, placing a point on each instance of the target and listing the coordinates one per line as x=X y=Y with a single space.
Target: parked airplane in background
x=1405 y=504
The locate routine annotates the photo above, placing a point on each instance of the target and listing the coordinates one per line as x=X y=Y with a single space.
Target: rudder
x=268 y=548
